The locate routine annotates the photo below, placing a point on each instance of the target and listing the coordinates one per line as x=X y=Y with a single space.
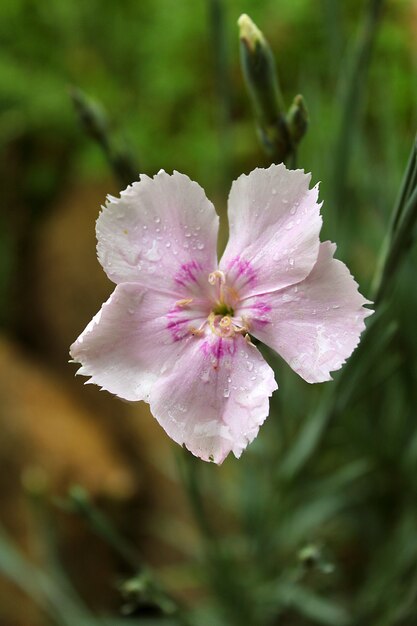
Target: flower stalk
x=279 y=132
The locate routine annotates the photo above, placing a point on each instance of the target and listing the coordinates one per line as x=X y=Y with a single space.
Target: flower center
x=223 y=319
x=221 y=308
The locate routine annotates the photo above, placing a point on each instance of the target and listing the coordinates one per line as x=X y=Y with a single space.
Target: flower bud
x=297 y=119
x=261 y=79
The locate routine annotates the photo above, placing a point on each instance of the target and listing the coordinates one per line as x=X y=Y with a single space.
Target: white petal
x=274 y=221
x=158 y=227
x=316 y=324
x=216 y=398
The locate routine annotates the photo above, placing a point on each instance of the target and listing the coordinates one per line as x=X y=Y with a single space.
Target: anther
x=218 y=275
x=183 y=303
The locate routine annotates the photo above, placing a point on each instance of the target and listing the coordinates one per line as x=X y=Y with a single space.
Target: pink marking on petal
x=182 y=320
x=242 y=267
x=260 y=311
x=216 y=397
x=218 y=348
x=274 y=223
x=127 y=344
x=188 y=273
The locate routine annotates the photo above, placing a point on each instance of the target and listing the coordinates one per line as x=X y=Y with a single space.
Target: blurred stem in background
x=144 y=586
x=95 y=124
x=235 y=600
x=400 y=237
x=353 y=81
x=332 y=14
x=280 y=133
x=217 y=21
x=401 y=232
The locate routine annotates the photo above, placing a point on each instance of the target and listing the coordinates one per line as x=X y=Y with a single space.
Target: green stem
x=190 y=474
x=401 y=242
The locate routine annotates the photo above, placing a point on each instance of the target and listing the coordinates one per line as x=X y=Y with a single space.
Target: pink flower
x=175 y=331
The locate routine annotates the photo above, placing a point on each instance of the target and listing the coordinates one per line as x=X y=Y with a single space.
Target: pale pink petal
x=274 y=221
x=132 y=339
x=156 y=231
x=316 y=324
x=216 y=398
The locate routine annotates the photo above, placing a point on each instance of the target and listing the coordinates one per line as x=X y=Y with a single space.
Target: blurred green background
x=325 y=537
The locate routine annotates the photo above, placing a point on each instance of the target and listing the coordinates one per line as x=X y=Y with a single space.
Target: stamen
x=183 y=303
x=217 y=275
x=225 y=322
x=247 y=338
x=196 y=331
x=210 y=320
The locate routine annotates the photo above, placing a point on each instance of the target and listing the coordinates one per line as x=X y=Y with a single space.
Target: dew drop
x=249 y=365
x=274 y=192
x=291 y=262
x=168 y=244
x=293 y=210
x=289 y=225
x=157 y=220
x=200 y=245
x=153 y=253
x=226 y=393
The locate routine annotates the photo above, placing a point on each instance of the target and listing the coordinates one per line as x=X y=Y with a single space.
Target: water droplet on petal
x=153 y=253
x=205 y=376
x=293 y=210
x=200 y=245
x=226 y=393
x=274 y=192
